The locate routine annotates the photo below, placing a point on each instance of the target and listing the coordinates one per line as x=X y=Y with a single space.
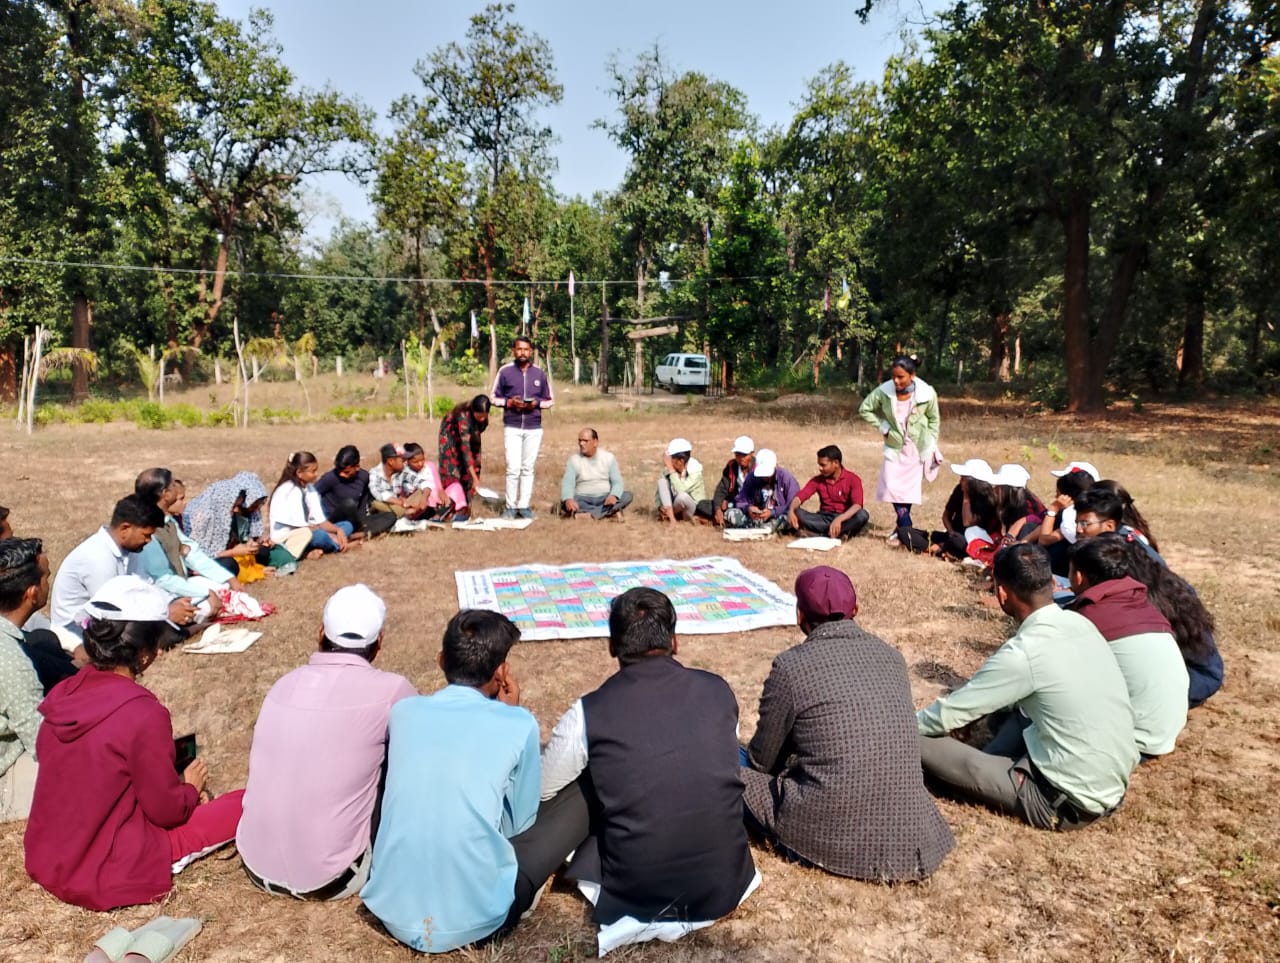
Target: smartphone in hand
x=187 y=750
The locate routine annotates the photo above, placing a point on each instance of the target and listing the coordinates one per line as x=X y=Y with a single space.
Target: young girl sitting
x=1058 y=527
x=112 y=820
x=297 y=517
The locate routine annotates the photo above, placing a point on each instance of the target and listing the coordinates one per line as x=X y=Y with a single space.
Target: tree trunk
x=604 y=340
x=1191 y=370
x=81 y=326
x=491 y=297
x=998 y=362
x=640 y=279
x=8 y=371
x=1084 y=382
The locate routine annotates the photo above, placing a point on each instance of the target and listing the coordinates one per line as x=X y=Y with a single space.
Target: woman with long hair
x=1192 y=623
x=113 y=820
x=297 y=516
x=460 y=432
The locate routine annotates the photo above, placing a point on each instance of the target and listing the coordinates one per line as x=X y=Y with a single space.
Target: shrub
x=186 y=414
x=223 y=417
x=98 y=411
x=152 y=414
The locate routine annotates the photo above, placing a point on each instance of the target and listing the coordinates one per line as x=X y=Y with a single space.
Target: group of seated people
x=754 y=491
x=649 y=814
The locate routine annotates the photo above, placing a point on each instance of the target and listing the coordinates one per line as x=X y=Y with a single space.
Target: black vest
x=662 y=753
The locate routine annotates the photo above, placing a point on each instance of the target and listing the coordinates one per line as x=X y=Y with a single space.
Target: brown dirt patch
x=1187 y=870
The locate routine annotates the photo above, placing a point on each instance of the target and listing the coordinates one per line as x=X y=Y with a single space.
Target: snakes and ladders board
x=710 y=595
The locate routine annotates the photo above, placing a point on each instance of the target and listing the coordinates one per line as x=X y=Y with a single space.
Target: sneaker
x=403 y=525
x=525 y=513
x=970 y=562
x=510 y=513
x=288 y=568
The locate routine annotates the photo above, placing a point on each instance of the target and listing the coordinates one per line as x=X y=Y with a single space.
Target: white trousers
x=522 y=446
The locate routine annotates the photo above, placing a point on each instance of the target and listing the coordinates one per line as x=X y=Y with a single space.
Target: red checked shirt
x=834 y=495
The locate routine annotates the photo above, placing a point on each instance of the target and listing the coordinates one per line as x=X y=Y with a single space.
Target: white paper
x=815 y=543
x=492 y=524
x=219 y=639
x=488 y=493
x=747 y=534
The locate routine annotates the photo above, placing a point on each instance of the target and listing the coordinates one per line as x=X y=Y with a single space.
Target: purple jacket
x=516 y=382
x=785 y=488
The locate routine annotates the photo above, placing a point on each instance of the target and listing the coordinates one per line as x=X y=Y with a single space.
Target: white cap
x=1015 y=476
x=679 y=446
x=766 y=463
x=129 y=598
x=975 y=468
x=743 y=445
x=353 y=617
x=1083 y=466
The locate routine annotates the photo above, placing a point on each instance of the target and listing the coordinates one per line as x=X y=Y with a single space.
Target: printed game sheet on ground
x=711 y=595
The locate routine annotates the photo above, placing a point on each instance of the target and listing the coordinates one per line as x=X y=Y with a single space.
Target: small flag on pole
x=570 y=284
x=475 y=328
x=524 y=315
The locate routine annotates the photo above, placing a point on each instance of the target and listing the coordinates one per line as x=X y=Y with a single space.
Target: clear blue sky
x=765 y=48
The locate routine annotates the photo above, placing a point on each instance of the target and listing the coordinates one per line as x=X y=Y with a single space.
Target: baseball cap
x=825 y=591
x=1083 y=466
x=129 y=598
x=1015 y=476
x=766 y=463
x=975 y=468
x=680 y=446
x=389 y=451
x=743 y=445
x=353 y=617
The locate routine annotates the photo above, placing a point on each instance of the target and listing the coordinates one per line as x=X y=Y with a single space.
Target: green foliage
x=466 y=369
x=151 y=414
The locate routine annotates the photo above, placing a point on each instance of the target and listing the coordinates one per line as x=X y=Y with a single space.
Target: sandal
x=161 y=939
x=110 y=947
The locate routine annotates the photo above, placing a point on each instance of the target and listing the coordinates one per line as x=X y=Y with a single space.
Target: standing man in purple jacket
x=521 y=390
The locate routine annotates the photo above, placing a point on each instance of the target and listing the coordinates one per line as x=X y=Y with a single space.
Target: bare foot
x=314 y=554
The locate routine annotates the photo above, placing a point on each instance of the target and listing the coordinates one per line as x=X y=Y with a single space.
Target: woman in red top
x=112 y=820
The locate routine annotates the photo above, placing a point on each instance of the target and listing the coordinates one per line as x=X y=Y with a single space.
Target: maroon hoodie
x=1118 y=608
x=106 y=792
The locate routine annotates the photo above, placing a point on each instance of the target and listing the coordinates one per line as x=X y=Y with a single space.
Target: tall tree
x=481 y=102
x=679 y=132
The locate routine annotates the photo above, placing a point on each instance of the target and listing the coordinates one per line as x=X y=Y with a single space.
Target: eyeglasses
x=1085 y=526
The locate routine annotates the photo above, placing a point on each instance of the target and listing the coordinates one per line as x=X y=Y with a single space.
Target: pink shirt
x=317 y=755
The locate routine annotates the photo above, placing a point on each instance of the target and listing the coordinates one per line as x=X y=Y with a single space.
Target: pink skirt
x=901 y=478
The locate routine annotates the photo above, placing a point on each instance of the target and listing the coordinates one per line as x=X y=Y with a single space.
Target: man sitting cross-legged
x=649 y=764
x=840 y=513
x=462 y=780
x=763 y=500
x=833 y=770
x=310 y=808
x=592 y=483
x=1062 y=757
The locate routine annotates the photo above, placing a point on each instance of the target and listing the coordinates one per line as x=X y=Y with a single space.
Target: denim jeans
x=324 y=541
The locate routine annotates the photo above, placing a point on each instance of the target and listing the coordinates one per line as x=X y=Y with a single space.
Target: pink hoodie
x=106 y=793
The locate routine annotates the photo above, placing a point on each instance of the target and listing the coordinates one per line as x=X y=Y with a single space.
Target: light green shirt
x=1156 y=675
x=1062 y=674
x=597 y=475
x=20 y=696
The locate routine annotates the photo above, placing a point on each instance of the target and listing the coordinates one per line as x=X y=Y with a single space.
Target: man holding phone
x=522 y=390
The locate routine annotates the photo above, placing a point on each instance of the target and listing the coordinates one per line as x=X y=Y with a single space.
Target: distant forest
x=1077 y=199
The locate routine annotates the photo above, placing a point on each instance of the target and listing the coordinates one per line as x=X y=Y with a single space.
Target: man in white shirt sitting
x=108 y=552
x=592 y=483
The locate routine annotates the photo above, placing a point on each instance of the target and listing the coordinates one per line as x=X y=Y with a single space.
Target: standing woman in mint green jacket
x=905 y=410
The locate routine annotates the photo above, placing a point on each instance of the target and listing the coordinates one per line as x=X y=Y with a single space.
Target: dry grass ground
x=1188 y=869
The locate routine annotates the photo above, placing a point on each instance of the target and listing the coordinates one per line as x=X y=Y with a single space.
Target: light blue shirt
x=153 y=564
x=463 y=776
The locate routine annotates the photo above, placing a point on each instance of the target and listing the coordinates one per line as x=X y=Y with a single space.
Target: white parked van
x=683 y=371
